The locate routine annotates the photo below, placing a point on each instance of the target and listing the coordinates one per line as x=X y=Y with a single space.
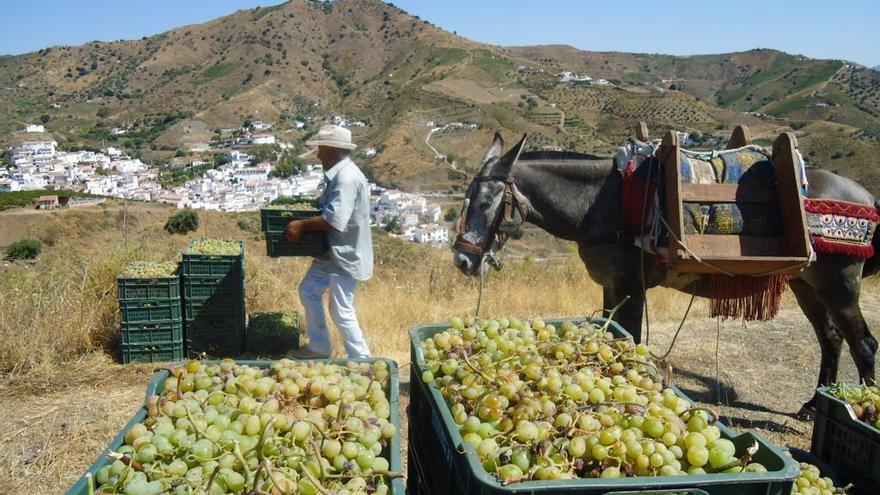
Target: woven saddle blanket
x=841 y=227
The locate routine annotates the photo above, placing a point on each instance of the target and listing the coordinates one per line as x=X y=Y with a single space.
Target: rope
x=680 y=326
x=480 y=294
x=693 y=255
x=717 y=366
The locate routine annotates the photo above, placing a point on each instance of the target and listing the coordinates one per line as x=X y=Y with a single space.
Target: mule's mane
x=566 y=164
x=557 y=155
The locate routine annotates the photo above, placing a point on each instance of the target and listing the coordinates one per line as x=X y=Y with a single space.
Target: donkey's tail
x=872 y=264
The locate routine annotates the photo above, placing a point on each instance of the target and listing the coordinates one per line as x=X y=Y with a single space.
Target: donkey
x=577 y=197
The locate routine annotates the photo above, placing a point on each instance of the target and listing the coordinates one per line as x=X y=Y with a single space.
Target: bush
x=451 y=214
x=24 y=249
x=182 y=222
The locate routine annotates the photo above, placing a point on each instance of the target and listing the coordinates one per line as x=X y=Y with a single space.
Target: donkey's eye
x=485 y=206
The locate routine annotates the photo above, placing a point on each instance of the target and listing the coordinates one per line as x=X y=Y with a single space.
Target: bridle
x=501 y=227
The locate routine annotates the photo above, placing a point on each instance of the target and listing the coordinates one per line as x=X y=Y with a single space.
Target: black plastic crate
x=268 y=334
x=212 y=265
x=133 y=289
x=311 y=244
x=214 y=307
x=275 y=220
x=850 y=446
x=216 y=336
x=442 y=463
x=150 y=311
x=231 y=286
x=152 y=333
x=152 y=353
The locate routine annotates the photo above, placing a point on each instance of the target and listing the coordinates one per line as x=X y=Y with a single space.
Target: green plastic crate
x=210 y=265
x=230 y=286
x=217 y=335
x=268 y=335
x=849 y=446
x=152 y=333
x=152 y=353
x=81 y=487
x=149 y=311
x=440 y=462
x=275 y=220
x=132 y=289
x=311 y=244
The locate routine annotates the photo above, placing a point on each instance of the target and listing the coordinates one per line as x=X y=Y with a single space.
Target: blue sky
x=847 y=29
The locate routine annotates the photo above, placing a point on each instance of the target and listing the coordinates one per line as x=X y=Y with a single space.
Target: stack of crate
x=152 y=326
x=213 y=302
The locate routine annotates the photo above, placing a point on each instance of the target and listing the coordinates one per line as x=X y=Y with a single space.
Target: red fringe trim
x=845 y=208
x=746 y=297
x=854 y=250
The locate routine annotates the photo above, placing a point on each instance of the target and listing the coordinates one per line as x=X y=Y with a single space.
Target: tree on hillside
x=451 y=214
x=182 y=222
x=288 y=166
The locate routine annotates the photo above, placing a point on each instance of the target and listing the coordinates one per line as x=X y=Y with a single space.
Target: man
x=345 y=217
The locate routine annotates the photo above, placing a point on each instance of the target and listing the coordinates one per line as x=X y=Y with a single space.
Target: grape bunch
x=295 y=203
x=864 y=400
x=150 y=269
x=214 y=247
x=293 y=206
x=811 y=482
x=297 y=427
x=540 y=402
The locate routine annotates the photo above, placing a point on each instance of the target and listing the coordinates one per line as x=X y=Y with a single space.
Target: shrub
x=451 y=214
x=24 y=249
x=182 y=222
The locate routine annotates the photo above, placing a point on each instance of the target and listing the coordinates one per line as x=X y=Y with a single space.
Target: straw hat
x=333 y=136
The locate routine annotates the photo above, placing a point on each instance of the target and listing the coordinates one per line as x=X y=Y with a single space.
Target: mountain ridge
x=372 y=61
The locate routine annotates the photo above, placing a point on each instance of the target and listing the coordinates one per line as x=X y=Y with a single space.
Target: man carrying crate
x=345 y=217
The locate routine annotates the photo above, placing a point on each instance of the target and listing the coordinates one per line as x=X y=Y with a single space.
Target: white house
x=259 y=125
x=432 y=233
x=9 y=185
x=262 y=139
x=118 y=131
x=34 y=128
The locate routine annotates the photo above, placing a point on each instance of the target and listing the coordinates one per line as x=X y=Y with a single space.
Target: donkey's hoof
x=807 y=411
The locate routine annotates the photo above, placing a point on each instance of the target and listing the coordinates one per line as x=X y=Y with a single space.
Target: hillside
x=367 y=60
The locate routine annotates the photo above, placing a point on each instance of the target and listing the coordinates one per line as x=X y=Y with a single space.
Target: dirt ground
x=52 y=427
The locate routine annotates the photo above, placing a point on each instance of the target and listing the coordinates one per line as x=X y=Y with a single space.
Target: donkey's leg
x=830 y=340
x=629 y=315
x=839 y=288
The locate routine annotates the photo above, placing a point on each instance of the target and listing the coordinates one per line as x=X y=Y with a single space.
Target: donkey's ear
x=495 y=149
x=505 y=163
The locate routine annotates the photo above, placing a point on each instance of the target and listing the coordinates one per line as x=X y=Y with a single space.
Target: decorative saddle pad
x=840 y=227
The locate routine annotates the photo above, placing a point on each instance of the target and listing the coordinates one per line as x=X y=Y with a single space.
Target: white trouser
x=311 y=292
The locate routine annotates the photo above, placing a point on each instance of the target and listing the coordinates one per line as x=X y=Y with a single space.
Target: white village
x=240 y=183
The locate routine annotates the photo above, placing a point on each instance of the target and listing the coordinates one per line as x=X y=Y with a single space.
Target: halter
x=509 y=202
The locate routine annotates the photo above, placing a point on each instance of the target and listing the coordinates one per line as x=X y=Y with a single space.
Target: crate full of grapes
x=566 y=407
x=213 y=258
x=272 y=333
x=147 y=281
x=274 y=219
x=285 y=427
x=846 y=432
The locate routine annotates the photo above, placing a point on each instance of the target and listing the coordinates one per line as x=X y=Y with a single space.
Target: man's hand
x=294 y=231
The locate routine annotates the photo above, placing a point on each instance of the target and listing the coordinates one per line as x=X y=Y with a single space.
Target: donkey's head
x=493 y=209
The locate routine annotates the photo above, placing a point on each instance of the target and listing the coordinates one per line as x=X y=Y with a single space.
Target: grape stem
x=715 y=415
x=128 y=461
x=256 y=478
x=211 y=479
x=318 y=458
x=268 y=469
x=471 y=366
x=314 y=481
x=236 y=451
x=262 y=439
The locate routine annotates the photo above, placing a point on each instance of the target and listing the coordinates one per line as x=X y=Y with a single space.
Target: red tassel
x=822 y=245
x=746 y=297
